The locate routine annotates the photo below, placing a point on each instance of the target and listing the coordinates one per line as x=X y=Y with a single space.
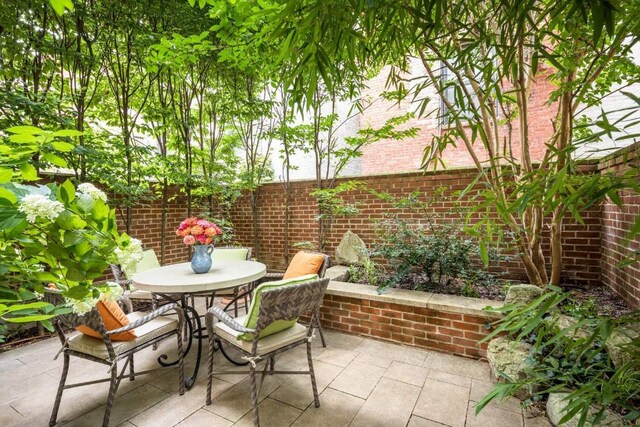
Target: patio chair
x=226 y=253
x=294 y=270
x=123 y=278
x=148 y=329
x=269 y=329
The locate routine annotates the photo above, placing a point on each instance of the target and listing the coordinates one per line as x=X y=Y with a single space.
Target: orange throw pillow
x=113 y=318
x=304 y=263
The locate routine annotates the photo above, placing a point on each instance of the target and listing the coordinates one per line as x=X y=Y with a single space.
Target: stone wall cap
x=448 y=303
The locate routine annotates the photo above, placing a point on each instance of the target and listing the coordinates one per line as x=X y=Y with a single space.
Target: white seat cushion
x=95 y=346
x=266 y=344
x=138 y=294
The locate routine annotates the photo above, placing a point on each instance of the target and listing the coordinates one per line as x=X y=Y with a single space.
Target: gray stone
x=339 y=273
x=617 y=342
x=563 y=321
x=507 y=358
x=351 y=250
x=555 y=412
x=522 y=294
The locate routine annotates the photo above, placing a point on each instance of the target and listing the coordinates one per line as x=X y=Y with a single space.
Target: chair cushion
x=138 y=294
x=113 y=318
x=268 y=344
x=230 y=254
x=303 y=263
x=251 y=319
x=145 y=333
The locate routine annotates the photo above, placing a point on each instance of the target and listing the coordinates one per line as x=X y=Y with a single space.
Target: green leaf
x=62 y=146
x=72 y=238
x=85 y=203
x=29 y=172
x=484 y=254
x=25 y=130
x=55 y=160
x=76 y=292
x=67 y=192
x=67 y=132
x=5 y=175
x=27 y=319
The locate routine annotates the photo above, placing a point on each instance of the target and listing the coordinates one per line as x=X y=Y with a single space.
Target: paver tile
x=458 y=365
x=404 y=372
x=399 y=353
x=297 y=390
x=443 y=402
x=390 y=404
x=337 y=356
x=336 y=409
x=421 y=422
x=447 y=377
x=358 y=379
x=271 y=413
x=493 y=416
x=203 y=418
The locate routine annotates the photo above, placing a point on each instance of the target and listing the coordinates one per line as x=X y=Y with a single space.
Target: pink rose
x=188 y=240
x=201 y=238
x=203 y=223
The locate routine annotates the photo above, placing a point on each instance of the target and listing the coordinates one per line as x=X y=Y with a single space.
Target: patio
x=363 y=382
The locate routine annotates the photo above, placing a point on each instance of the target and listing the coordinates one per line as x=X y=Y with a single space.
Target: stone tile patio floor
x=362 y=382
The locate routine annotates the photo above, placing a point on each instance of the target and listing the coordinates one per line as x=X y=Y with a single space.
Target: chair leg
x=113 y=387
x=210 y=360
x=180 y=364
x=254 y=397
x=154 y=303
x=132 y=375
x=272 y=365
x=318 y=326
x=316 y=399
x=246 y=304
x=63 y=380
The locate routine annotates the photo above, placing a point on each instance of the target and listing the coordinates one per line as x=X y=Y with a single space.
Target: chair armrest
x=125 y=304
x=149 y=317
x=228 y=320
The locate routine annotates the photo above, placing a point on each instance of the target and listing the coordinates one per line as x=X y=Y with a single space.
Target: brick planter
x=446 y=323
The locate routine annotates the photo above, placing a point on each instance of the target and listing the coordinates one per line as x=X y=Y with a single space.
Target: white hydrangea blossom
x=82 y=307
x=112 y=293
x=91 y=190
x=129 y=257
x=39 y=206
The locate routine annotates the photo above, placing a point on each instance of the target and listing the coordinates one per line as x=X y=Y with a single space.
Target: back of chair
x=71 y=320
x=290 y=302
x=218 y=249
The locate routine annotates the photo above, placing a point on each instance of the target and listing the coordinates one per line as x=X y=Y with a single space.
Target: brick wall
x=396 y=156
x=616 y=223
x=581 y=242
x=434 y=329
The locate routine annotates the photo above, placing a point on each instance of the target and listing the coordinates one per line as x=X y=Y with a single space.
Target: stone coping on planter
x=441 y=302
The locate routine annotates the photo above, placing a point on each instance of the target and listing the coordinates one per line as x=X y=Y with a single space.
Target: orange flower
x=210 y=232
x=197 y=229
x=208 y=241
x=185 y=232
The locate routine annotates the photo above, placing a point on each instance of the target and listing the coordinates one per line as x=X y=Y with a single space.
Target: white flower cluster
x=91 y=190
x=129 y=257
x=112 y=293
x=38 y=206
x=82 y=307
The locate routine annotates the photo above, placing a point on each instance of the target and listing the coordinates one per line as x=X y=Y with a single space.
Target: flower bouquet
x=199 y=233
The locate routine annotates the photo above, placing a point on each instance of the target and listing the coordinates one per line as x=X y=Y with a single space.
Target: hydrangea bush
x=55 y=235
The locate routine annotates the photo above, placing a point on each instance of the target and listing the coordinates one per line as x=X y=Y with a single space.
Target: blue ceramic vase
x=201 y=260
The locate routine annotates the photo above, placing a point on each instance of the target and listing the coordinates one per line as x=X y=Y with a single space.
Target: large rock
x=339 y=273
x=522 y=294
x=563 y=321
x=617 y=342
x=555 y=412
x=507 y=358
x=351 y=250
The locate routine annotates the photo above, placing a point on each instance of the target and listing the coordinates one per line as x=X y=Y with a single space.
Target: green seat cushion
x=279 y=325
x=149 y=260
x=230 y=254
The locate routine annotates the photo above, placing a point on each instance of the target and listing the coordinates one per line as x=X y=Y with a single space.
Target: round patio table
x=179 y=282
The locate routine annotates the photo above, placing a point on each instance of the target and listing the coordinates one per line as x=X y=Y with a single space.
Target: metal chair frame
x=284 y=303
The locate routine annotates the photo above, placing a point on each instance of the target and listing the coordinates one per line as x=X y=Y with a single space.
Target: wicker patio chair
x=283 y=303
x=149 y=261
x=150 y=328
x=272 y=276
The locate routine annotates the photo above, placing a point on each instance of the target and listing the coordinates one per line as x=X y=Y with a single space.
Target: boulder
x=522 y=294
x=507 y=358
x=339 y=273
x=555 y=412
x=351 y=250
x=620 y=338
x=563 y=321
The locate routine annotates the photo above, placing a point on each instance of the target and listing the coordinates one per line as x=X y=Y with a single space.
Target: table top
x=180 y=278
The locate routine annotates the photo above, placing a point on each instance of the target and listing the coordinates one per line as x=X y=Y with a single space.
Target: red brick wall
x=406 y=155
x=581 y=243
x=616 y=223
x=416 y=326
